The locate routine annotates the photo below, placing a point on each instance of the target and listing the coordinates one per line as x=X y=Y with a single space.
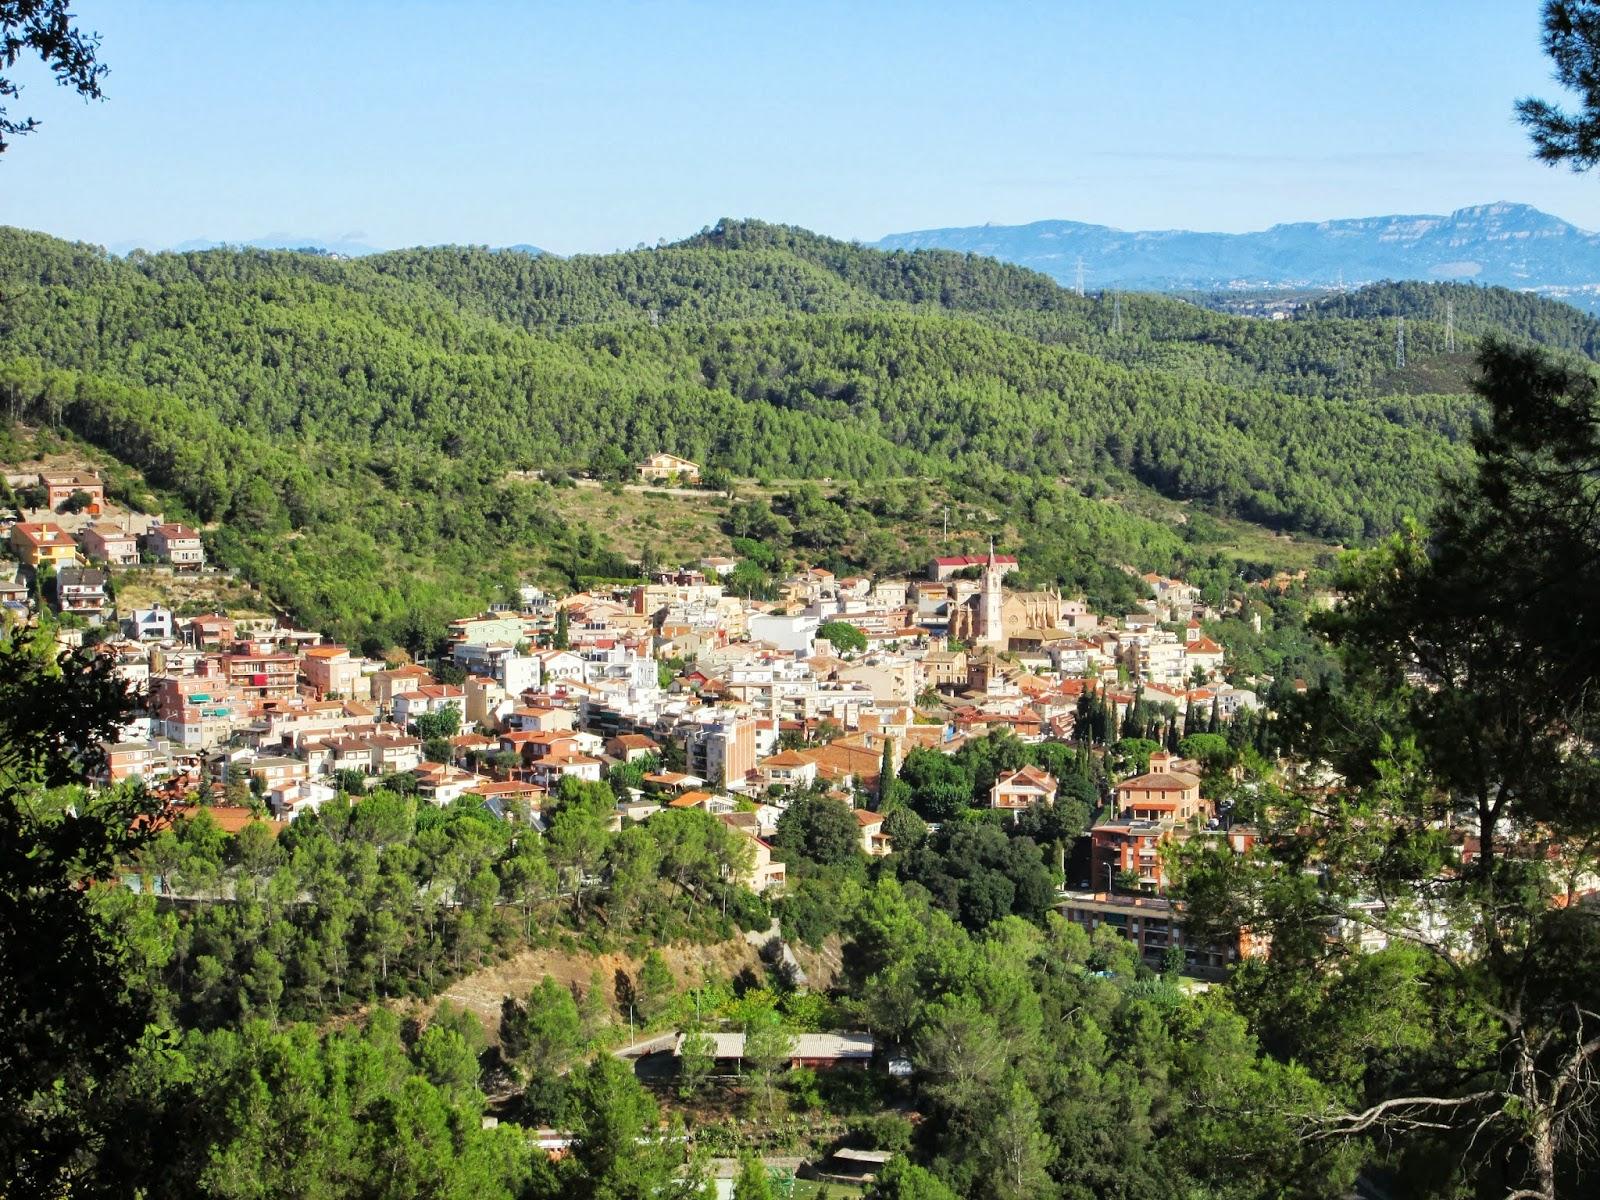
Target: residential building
x=1173 y=795
x=195 y=713
x=40 y=542
x=150 y=624
x=788 y=769
x=551 y=769
x=176 y=544
x=386 y=685
x=793 y=635
x=136 y=760
x=260 y=676
x=1153 y=925
x=875 y=843
x=661 y=468
x=429 y=698
x=210 y=630
x=944 y=669
x=383 y=753
x=630 y=747
x=723 y=751
x=276 y=771
x=1015 y=791
x=332 y=672
x=81 y=590
x=941 y=569
x=107 y=543
x=58 y=489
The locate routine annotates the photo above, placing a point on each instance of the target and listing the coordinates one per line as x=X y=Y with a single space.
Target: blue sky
x=593 y=126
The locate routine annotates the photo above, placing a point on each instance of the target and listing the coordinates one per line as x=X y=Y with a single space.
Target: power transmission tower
x=1116 y=314
x=1400 y=342
x=1080 y=275
x=1450 y=326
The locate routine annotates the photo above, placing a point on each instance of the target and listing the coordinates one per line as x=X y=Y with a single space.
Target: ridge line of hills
x=349 y=428
x=1505 y=244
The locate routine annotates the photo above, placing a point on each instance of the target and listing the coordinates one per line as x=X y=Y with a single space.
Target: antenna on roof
x=1400 y=342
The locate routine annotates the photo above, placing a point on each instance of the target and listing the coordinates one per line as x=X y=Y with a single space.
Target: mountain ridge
x=1503 y=243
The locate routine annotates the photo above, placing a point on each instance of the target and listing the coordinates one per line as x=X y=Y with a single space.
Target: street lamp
x=1108 y=881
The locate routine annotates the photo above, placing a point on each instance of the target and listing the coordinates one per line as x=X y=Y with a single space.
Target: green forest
x=346 y=430
x=1421 y=1026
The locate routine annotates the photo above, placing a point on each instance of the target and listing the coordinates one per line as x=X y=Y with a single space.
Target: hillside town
x=714 y=701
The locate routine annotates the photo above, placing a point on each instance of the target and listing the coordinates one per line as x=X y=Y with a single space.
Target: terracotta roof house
x=1022 y=789
x=875 y=842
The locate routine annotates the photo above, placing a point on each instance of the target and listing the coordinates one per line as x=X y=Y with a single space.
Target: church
x=993 y=616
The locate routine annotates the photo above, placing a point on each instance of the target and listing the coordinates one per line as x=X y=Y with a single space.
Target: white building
x=792 y=634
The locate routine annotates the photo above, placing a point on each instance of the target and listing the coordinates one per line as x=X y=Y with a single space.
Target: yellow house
x=38 y=542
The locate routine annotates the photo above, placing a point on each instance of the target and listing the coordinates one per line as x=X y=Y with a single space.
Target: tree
x=68 y=1018
x=527 y=879
x=697 y=1056
x=443 y=724
x=752 y=1182
x=576 y=842
x=768 y=1046
x=1572 y=40
x=45 y=28
x=620 y=1152
x=562 y=639
x=1435 y=724
x=1019 y=1151
x=657 y=987
x=819 y=828
x=543 y=1034
x=901 y=1179
x=846 y=638
x=888 y=793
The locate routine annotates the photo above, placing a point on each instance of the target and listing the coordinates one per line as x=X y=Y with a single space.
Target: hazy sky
x=593 y=126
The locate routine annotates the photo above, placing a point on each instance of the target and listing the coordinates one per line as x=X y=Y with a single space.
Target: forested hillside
x=347 y=429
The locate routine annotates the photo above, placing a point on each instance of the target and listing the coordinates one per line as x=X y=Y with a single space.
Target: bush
x=749 y=911
x=887 y=1131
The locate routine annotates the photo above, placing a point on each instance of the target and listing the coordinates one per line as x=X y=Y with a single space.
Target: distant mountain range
x=1513 y=245
x=347 y=245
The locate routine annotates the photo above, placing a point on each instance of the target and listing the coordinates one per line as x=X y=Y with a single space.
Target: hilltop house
x=659 y=468
x=58 y=489
x=176 y=544
x=107 y=543
x=38 y=542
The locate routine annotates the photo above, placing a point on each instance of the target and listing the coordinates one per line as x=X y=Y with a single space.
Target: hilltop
x=352 y=429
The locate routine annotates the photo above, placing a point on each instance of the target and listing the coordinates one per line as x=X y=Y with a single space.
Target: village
x=719 y=703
